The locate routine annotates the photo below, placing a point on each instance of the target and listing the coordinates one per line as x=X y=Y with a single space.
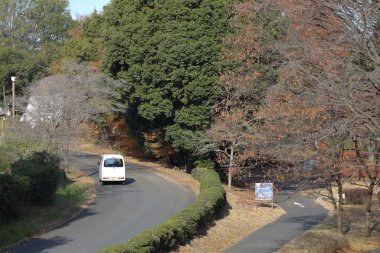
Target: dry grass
x=354 y=217
x=238 y=220
x=355 y=227
x=85 y=184
x=241 y=219
x=317 y=241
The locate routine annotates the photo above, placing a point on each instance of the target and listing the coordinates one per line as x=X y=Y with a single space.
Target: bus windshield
x=113 y=162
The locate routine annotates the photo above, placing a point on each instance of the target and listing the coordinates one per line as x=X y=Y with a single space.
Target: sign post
x=13 y=79
x=264 y=193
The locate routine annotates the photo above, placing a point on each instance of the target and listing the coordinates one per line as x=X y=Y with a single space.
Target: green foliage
x=16 y=146
x=182 y=225
x=6 y=159
x=30 y=34
x=34 y=220
x=29 y=24
x=86 y=41
x=182 y=139
x=168 y=52
x=13 y=192
x=43 y=172
x=205 y=163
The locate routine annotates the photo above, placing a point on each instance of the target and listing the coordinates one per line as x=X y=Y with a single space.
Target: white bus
x=111 y=168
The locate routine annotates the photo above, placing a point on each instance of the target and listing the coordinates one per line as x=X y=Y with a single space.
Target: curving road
x=118 y=213
x=301 y=215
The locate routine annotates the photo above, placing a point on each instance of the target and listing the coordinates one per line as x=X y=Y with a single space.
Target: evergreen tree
x=86 y=40
x=168 y=52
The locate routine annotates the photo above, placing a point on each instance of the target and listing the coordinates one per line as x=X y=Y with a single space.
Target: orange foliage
x=75 y=32
x=159 y=148
x=123 y=140
x=314 y=34
x=117 y=134
x=57 y=67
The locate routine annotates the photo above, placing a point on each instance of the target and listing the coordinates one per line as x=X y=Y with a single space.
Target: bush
x=207 y=164
x=183 y=225
x=13 y=191
x=321 y=241
x=355 y=196
x=43 y=172
x=7 y=157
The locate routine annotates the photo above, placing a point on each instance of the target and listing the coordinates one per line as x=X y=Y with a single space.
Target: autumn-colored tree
x=252 y=67
x=331 y=83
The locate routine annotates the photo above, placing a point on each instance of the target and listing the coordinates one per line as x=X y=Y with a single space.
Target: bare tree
x=255 y=62
x=334 y=66
x=59 y=105
x=228 y=139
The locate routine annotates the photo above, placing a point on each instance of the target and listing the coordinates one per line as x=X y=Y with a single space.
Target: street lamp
x=13 y=79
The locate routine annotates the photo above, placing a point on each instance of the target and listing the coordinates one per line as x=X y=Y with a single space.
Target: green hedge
x=13 y=192
x=183 y=225
x=43 y=173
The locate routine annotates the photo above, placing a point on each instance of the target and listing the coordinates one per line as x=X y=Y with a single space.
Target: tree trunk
x=368 y=213
x=66 y=167
x=340 y=213
x=67 y=150
x=331 y=193
x=372 y=181
x=340 y=218
x=230 y=167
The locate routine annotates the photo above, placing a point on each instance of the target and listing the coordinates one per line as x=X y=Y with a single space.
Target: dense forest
x=242 y=87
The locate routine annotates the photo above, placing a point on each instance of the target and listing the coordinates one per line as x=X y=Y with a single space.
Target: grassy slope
x=70 y=200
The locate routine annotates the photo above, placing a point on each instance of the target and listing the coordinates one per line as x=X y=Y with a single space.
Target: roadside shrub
x=43 y=173
x=13 y=191
x=205 y=163
x=183 y=225
x=355 y=196
x=321 y=241
x=7 y=157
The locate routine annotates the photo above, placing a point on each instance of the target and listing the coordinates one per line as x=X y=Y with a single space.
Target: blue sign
x=264 y=191
x=308 y=165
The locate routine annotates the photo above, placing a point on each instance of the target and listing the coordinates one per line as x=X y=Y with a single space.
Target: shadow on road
x=127 y=181
x=306 y=221
x=38 y=245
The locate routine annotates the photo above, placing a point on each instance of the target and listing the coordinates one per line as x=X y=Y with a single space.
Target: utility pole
x=5 y=103
x=13 y=78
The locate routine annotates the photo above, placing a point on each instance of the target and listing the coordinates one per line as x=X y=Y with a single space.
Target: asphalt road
x=374 y=251
x=299 y=217
x=118 y=213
